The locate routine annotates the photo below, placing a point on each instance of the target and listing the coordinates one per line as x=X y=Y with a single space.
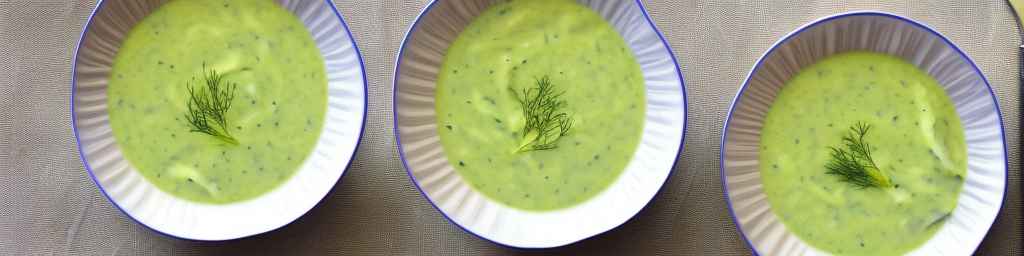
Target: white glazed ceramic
x=985 y=185
x=169 y=215
x=419 y=144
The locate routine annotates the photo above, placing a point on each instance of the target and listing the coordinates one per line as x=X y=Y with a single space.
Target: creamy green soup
x=276 y=114
x=915 y=138
x=507 y=49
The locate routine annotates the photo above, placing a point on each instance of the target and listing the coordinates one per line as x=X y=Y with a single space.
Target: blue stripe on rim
x=81 y=154
x=398 y=139
x=732 y=107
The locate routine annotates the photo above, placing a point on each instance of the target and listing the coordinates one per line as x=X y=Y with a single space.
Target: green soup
x=276 y=114
x=915 y=137
x=480 y=120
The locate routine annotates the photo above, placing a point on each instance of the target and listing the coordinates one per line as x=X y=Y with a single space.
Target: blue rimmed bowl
x=143 y=202
x=975 y=103
x=416 y=73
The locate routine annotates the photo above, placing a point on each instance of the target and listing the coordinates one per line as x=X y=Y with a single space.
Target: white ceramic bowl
x=419 y=144
x=169 y=215
x=985 y=185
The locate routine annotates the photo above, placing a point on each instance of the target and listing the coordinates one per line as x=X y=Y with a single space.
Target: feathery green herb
x=208 y=105
x=546 y=119
x=853 y=162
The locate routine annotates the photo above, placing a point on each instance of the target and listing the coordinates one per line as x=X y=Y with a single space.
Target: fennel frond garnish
x=546 y=119
x=852 y=162
x=208 y=104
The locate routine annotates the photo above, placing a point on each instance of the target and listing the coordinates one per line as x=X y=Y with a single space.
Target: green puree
x=276 y=114
x=915 y=137
x=480 y=121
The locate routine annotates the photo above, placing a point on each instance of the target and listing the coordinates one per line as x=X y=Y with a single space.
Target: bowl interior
x=416 y=73
x=167 y=214
x=984 y=186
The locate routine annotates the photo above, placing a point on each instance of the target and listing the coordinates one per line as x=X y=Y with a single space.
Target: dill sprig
x=208 y=105
x=546 y=120
x=853 y=162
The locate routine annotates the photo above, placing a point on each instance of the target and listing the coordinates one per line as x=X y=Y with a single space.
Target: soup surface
x=915 y=138
x=508 y=49
x=276 y=113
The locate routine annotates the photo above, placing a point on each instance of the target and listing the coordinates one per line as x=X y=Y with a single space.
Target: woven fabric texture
x=48 y=204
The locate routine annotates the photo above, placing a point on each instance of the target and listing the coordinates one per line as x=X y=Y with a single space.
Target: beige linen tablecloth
x=48 y=204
